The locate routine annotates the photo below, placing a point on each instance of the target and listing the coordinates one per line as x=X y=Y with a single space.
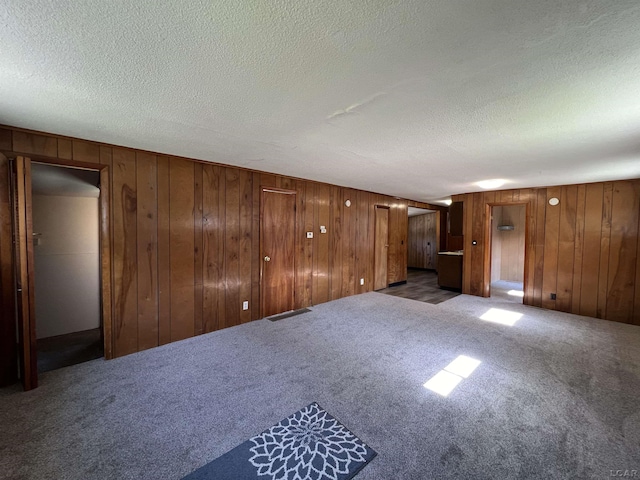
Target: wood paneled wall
x=422 y=250
x=585 y=250
x=186 y=239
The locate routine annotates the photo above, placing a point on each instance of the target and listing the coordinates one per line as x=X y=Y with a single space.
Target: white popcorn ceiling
x=417 y=99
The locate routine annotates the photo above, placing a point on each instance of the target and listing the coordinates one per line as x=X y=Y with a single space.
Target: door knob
x=267 y=258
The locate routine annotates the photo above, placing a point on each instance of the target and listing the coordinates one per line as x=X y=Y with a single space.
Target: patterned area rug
x=308 y=445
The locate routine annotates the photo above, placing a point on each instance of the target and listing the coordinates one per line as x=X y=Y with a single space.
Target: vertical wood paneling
x=566 y=247
x=245 y=253
x=421 y=242
x=530 y=246
x=198 y=254
x=362 y=242
x=605 y=241
x=623 y=251
x=125 y=252
x=65 y=149
x=304 y=245
x=348 y=245
x=213 y=247
x=468 y=247
x=477 y=251
x=6 y=140
x=541 y=218
x=232 y=248
x=147 y=249
x=335 y=262
x=34 y=144
x=181 y=247
x=591 y=256
x=87 y=151
x=322 y=215
x=578 y=249
x=164 y=251
x=551 y=241
x=255 y=248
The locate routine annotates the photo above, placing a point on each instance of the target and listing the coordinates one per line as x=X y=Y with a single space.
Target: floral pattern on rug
x=308 y=444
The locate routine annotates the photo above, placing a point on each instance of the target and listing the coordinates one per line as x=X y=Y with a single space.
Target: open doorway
x=66 y=252
x=423 y=246
x=508 y=233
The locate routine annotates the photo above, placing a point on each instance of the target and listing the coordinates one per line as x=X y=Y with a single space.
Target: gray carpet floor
x=555 y=395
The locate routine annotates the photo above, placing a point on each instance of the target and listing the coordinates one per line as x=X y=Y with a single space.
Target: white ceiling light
x=491 y=184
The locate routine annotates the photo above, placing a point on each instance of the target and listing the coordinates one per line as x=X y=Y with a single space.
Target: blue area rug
x=308 y=445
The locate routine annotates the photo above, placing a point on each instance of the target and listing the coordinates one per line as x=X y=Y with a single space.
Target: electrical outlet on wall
x=362 y=281
x=245 y=305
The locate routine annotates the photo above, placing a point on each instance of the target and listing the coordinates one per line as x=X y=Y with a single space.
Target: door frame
x=27 y=349
x=263 y=189
x=375 y=244
x=489 y=243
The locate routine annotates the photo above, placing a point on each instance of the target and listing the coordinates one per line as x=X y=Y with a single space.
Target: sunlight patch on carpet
x=503 y=317
x=447 y=379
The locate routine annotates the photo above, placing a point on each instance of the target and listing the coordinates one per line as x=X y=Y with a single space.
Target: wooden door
x=277 y=250
x=23 y=255
x=381 y=248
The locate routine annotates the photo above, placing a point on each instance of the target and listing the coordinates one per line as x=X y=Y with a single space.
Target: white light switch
x=309 y=234
x=323 y=229
x=245 y=305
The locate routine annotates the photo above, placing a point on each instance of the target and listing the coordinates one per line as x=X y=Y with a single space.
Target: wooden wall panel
x=348 y=242
x=422 y=241
x=164 y=254
x=322 y=216
x=34 y=144
x=566 y=247
x=197 y=249
x=125 y=252
x=232 y=248
x=87 y=151
x=605 y=242
x=585 y=250
x=304 y=246
x=591 y=255
x=147 y=249
x=213 y=194
x=623 y=251
x=551 y=240
x=181 y=248
x=336 y=246
x=245 y=250
x=6 y=140
x=576 y=289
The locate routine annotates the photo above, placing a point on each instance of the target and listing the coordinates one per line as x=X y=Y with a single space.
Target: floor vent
x=292 y=313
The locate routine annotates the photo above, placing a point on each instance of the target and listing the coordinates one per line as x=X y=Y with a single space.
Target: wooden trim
x=105 y=261
x=23 y=230
x=105 y=246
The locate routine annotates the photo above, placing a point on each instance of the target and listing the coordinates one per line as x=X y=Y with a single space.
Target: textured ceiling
x=418 y=99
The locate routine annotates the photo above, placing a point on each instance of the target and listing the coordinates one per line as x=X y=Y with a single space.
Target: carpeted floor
x=555 y=395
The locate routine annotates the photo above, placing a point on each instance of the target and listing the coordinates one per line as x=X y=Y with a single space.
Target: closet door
x=23 y=256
